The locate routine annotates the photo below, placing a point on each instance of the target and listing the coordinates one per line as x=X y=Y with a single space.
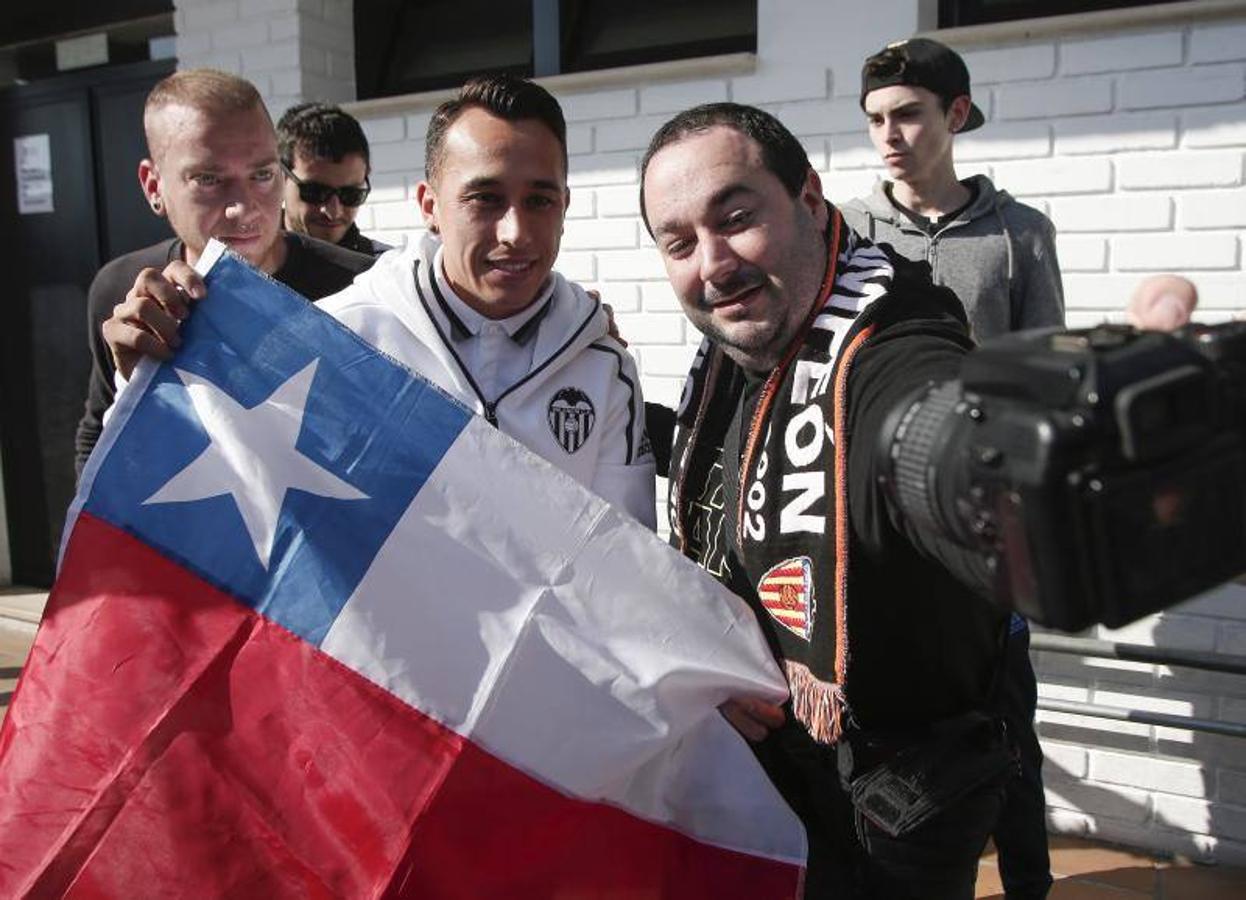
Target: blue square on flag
x=288 y=432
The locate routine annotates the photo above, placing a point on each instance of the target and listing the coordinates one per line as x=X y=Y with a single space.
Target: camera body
x=1101 y=473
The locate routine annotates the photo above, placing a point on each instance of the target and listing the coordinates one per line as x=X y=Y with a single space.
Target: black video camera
x=1101 y=472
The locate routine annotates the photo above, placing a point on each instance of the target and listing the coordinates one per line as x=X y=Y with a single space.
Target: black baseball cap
x=921 y=62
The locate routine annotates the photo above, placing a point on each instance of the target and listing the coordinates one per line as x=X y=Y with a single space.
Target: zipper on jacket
x=491 y=408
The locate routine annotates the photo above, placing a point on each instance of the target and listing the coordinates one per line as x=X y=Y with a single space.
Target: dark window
x=953 y=13
x=25 y=22
x=405 y=46
x=597 y=35
x=30 y=31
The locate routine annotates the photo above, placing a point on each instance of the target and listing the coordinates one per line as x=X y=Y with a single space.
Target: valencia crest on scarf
x=784 y=480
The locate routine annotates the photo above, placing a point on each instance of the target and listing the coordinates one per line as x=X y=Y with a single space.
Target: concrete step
x=21 y=608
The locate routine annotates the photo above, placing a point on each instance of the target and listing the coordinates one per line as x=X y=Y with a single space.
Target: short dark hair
x=320 y=131
x=780 y=151
x=505 y=96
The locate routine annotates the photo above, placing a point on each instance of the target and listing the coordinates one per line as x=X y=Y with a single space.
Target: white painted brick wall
x=1024 y=63
x=1134 y=141
x=1182 y=87
x=1212 y=209
x=603 y=168
x=1115 y=133
x=840 y=115
x=613 y=104
x=600 y=235
x=1043 y=100
x=671 y=98
x=1016 y=140
x=292 y=50
x=632 y=133
x=1126 y=804
x=1182 y=252
x=578 y=266
x=1217 y=43
x=1082 y=254
x=1118 y=54
x=1059 y=175
x=1219 y=126
x=1125 y=212
x=1203 y=169
x=583 y=205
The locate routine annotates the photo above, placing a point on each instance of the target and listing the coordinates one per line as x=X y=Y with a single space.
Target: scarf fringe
x=819 y=705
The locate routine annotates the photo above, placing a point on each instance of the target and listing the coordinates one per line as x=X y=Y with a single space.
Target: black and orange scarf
x=785 y=488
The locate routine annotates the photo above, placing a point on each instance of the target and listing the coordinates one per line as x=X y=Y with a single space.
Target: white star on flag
x=252 y=456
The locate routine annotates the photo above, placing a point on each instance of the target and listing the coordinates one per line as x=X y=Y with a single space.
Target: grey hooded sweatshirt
x=997 y=255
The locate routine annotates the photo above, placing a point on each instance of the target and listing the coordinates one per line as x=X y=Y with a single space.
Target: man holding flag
x=476 y=306
x=338 y=637
x=212 y=171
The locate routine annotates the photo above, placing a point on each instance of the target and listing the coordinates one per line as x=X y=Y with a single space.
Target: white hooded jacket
x=580 y=404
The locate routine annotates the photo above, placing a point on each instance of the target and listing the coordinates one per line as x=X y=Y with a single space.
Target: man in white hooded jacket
x=476 y=306
x=548 y=376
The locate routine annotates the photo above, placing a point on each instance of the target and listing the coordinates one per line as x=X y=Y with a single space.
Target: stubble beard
x=763 y=348
x=757 y=351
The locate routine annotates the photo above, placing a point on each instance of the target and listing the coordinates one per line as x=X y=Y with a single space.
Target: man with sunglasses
x=213 y=172
x=325 y=157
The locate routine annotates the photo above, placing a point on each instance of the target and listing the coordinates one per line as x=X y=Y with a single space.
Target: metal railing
x=1189 y=659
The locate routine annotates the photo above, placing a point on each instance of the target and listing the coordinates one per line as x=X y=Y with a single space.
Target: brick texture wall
x=291 y=50
x=1133 y=141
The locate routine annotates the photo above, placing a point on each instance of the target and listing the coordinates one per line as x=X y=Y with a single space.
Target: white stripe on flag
x=586 y=625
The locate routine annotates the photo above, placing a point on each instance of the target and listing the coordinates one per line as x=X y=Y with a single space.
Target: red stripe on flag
x=492 y=832
x=167 y=740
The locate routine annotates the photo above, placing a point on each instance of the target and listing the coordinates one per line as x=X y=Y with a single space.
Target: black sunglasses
x=318 y=194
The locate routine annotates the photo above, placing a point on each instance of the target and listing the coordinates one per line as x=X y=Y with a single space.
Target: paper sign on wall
x=33 y=156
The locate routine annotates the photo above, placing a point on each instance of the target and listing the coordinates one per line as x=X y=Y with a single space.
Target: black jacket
x=922 y=643
x=354 y=239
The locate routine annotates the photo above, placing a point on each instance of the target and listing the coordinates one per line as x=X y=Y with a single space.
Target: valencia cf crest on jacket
x=786 y=591
x=571 y=418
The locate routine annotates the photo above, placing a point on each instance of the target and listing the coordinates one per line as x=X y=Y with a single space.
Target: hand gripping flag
x=320 y=632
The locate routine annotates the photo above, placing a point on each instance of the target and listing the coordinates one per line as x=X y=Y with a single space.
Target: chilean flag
x=320 y=632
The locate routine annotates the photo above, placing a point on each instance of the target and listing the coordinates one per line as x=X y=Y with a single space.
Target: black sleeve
x=660 y=426
x=884 y=376
x=105 y=293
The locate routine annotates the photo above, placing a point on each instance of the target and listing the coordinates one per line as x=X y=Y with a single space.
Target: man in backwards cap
x=999 y=257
